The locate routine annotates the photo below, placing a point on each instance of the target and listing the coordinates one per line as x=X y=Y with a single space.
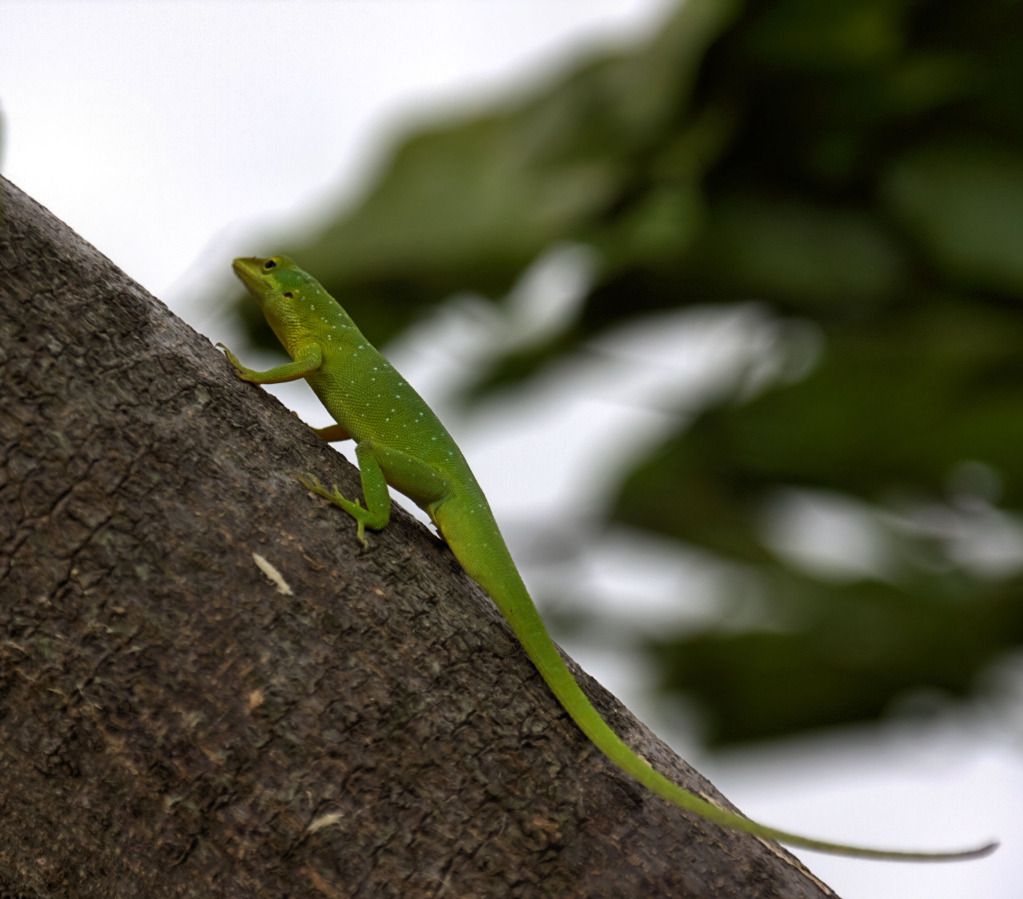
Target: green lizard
x=400 y=442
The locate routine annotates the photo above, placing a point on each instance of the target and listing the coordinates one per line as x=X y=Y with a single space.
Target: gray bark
x=173 y=726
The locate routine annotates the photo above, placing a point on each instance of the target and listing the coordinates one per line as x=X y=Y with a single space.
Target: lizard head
x=293 y=302
x=271 y=280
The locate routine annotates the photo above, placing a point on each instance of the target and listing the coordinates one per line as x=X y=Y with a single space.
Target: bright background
x=153 y=130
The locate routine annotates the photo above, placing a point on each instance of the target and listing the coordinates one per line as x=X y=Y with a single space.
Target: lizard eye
x=288 y=295
x=269 y=264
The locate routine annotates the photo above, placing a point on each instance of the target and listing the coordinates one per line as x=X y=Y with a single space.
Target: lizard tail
x=510 y=594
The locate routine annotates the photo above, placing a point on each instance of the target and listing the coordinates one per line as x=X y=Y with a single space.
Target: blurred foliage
x=856 y=165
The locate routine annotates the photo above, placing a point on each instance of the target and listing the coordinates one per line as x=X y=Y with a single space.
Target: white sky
x=165 y=132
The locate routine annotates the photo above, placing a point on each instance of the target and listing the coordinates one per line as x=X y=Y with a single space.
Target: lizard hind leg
x=377 y=509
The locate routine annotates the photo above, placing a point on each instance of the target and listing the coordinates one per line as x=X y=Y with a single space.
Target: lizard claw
x=231 y=357
x=312 y=483
x=352 y=507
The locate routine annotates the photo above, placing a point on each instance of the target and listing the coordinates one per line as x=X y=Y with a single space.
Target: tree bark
x=172 y=724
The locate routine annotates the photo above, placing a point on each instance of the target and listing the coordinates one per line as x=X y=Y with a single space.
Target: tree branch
x=173 y=724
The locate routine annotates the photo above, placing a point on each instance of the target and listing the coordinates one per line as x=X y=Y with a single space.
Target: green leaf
x=961 y=204
x=839 y=653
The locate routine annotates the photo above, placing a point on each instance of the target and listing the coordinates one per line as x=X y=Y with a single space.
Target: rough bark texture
x=171 y=725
